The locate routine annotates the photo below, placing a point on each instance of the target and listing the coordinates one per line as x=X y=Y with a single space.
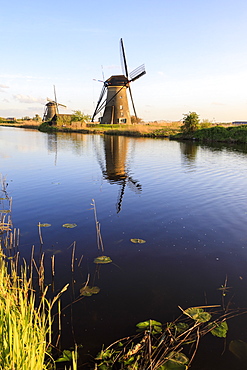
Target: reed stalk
x=23 y=326
x=26 y=318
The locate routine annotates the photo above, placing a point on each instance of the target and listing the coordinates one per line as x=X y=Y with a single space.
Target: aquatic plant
x=102 y=260
x=26 y=318
x=161 y=347
x=88 y=290
x=69 y=226
x=138 y=241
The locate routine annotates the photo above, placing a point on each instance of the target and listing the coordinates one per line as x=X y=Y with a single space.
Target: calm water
x=188 y=202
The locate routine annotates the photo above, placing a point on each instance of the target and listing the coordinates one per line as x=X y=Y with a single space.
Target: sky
x=194 y=51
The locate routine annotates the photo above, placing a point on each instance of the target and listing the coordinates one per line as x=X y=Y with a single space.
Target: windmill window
x=121 y=107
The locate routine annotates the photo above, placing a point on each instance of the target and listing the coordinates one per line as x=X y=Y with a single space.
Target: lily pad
x=88 y=291
x=69 y=226
x=67 y=356
x=44 y=225
x=140 y=241
x=178 y=357
x=102 y=260
x=220 y=330
x=198 y=314
x=179 y=328
x=177 y=361
x=155 y=326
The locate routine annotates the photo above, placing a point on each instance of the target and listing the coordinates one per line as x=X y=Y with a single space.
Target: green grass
x=26 y=319
x=232 y=134
x=25 y=330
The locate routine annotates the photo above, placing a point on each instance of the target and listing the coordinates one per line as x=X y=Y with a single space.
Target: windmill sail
x=137 y=73
x=51 y=108
x=116 y=108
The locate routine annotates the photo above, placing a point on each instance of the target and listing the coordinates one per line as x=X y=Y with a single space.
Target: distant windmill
x=51 y=108
x=116 y=107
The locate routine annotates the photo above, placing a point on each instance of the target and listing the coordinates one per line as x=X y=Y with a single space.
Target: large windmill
x=115 y=105
x=51 y=108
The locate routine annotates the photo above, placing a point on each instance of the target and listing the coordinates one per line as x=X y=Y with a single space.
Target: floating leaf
x=220 y=330
x=105 y=355
x=178 y=357
x=177 y=361
x=180 y=327
x=69 y=226
x=197 y=314
x=102 y=259
x=140 y=241
x=155 y=326
x=66 y=356
x=88 y=291
x=171 y=365
x=239 y=349
x=44 y=225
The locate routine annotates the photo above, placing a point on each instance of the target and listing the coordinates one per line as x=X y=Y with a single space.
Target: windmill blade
x=55 y=96
x=61 y=105
x=102 y=69
x=123 y=59
x=132 y=101
x=134 y=185
x=137 y=73
x=99 y=105
x=120 y=197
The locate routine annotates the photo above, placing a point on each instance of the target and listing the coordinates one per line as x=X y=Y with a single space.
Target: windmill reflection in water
x=114 y=167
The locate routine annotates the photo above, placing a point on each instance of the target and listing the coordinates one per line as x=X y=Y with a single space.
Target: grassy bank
x=151 y=129
x=220 y=133
x=232 y=134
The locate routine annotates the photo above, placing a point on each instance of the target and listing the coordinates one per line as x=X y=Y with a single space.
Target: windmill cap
x=119 y=80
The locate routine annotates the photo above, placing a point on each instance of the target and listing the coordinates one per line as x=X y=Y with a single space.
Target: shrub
x=190 y=122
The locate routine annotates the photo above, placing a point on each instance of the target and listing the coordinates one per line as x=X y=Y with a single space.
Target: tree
x=79 y=116
x=134 y=120
x=191 y=122
x=37 y=118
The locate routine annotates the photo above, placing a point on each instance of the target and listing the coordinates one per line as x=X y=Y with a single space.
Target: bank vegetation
x=190 y=128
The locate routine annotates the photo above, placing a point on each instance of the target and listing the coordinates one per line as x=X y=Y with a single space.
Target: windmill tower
x=115 y=105
x=51 y=108
x=116 y=171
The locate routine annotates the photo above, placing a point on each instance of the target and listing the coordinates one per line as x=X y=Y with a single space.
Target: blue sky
x=195 y=53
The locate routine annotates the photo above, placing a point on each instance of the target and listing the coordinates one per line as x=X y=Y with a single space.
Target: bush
x=190 y=122
x=79 y=116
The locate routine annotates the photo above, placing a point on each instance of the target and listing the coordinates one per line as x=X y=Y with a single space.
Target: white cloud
x=28 y=99
x=4 y=86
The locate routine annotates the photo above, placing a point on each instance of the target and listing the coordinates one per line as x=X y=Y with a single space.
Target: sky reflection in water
x=186 y=200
